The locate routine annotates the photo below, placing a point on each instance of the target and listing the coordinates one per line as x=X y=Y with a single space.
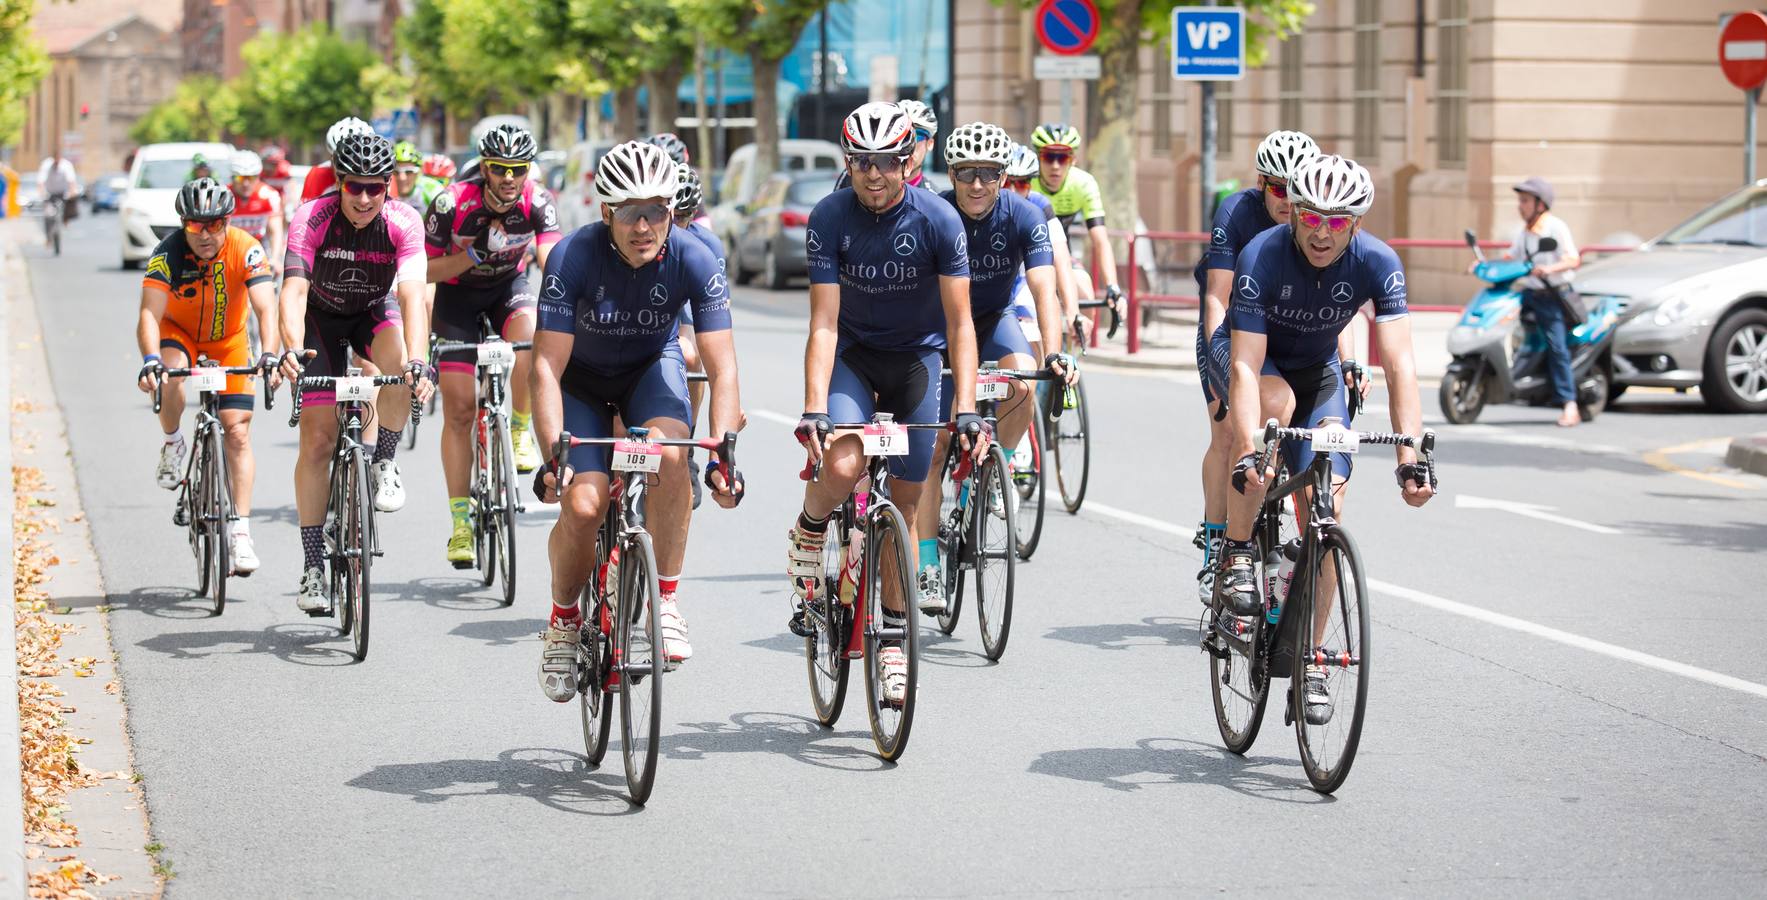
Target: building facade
x=103 y=76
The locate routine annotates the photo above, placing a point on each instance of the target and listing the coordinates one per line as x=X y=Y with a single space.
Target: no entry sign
x=1742 y=50
x=1067 y=27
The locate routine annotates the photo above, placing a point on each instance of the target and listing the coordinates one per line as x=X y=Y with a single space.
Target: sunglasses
x=1277 y=189
x=1016 y=183
x=242 y=179
x=212 y=226
x=1312 y=219
x=921 y=134
x=631 y=214
x=370 y=188
x=887 y=163
x=1057 y=157
x=407 y=170
x=507 y=170
x=973 y=174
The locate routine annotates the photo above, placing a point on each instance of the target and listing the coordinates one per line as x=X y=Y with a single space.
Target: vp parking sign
x=1208 y=44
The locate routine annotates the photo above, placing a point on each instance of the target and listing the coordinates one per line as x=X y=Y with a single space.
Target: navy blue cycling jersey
x=1239 y=218
x=709 y=238
x=1012 y=234
x=888 y=266
x=1044 y=208
x=623 y=317
x=1300 y=309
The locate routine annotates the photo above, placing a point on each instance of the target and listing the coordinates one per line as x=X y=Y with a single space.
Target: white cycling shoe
x=676 y=649
x=389 y=488
x=895 y=673
x=931 y=590
x=312 y=598
x=558 y=662
x=245 y=556
x=171 y=468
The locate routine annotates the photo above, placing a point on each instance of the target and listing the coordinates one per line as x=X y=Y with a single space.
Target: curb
x=1748 y=454
x=12 y=809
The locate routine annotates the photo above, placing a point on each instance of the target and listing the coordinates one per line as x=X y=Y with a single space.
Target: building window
x=1288 y=95
x=1224 y=119
x=1162 y=103
x=1451 y=79
x=1366 y=138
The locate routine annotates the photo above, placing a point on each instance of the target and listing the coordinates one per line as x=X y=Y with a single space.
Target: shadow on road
x=552 y=778
x=784 y=642
x=798 y=737
x=936 y=648
x=1736 y=537
x=502 y=632
x=444 y=592
x=297 y=643
x=1153 y=631
x=164 y=602
x=1160 y=761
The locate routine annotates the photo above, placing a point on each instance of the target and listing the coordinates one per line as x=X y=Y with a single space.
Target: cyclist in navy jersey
x=889 y=290
x=606 y=344
x=689 y=202
x=1021 y=170
x=1296 y=287
x=1005 y=234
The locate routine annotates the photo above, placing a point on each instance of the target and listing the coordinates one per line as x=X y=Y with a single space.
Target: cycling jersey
x=1300 y=309
x=350 y=268
x=427 y=189
x=320 y=180
x=1239 y=218
x=207 y=299
x=459 y=218
x=252 y=212
x=888 y=266
x=624 y=318
x=1012 y=234
x=1078 y=197
x=700 y=228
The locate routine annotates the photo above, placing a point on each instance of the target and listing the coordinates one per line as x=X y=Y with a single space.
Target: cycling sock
x=893 y=619
x=566 y=616
x=460 y=510
x=522 y=421
x=1231 y=547
x=313 y=546
x=812 y=526
x=929 y=552
x=176 y=437
x=667 y=584
x=386 y=443
x=242 y=527
x=1212 y=532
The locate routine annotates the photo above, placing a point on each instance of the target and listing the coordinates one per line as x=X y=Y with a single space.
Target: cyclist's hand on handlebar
x=973 y=434
x=1414 y=484
x=269 y=368
x=546 y=481
x=1114 y=296
x=152 y=373
x=293 y=361
x=723 y=492
x=1062 y=366
x=422 y=377
x=1082 y=329
x=1252 y=472
x=813 y=432
x=1356 y=378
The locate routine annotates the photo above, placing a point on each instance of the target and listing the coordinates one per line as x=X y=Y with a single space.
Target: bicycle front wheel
x=195 y=501
x=595 y=705
x=993 y=536
x=220 y=519
x=889 y=574
x=638 y=653
x=951 y=550
x=503 y=497
x=1028 y=481
x=484 y=498
x=1329 y=731
x=1070 y=448
x=831 y=623
x=357 y=541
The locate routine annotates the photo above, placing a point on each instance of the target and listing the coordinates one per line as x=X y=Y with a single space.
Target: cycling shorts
x=327 y=333
x=903 y=383
x=458 y=307
x=997 y=337
x=1206 y=367
x=232 y=351
x=654 y=391
x=1319 y=394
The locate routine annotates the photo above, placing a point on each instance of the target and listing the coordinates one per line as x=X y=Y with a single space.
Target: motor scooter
x=1500 y=357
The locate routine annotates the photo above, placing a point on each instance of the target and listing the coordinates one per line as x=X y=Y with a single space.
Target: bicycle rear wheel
x=484 y=499
x=220 y=514
x=996 y=552
x=638 y=652
x=1028 y=480
x=196 y=511
x=594 y=705
x=1328 y=737
x=951 y=551
x=503 y=496
x=356 y=540
x=825 y=650
x=888 y=573
x=1070 y=448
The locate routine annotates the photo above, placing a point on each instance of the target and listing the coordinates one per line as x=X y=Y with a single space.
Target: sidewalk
x=1748 y=453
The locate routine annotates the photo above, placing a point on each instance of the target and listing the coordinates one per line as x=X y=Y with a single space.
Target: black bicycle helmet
x=689 y=196
x=508 y=142
x=671 y=144
x=204 y=199
x=364 y=156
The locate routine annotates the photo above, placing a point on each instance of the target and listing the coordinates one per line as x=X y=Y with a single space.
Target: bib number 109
x=637 y=456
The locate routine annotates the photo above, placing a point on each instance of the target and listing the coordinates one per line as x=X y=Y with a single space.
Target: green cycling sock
x=522 y=421
x=460 y=509
x=929 y=552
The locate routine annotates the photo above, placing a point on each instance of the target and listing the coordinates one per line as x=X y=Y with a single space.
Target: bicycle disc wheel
x=484 y=491
x=504 y=502
x=996 y=552
x=1328 y=747
x=1070 y=448
x=196 y=511
x=220 y=510
x=1028 y=481
x=594 y=705
x=359 y=544
x=888 y=573
x=951 y=550
x=825 y=650
x=638 y=649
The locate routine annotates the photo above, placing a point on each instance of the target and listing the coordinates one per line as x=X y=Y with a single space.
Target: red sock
x=668 y=585
x=566 y=615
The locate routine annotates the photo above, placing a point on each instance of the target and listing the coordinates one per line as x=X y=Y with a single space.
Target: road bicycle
x=435 y=398
x=621 y=646
x=55 y=220
x=205 y=495
x=866 y=558
x=494 y=494
x=1070 y=436
x=1314 y=615
x=351 y=539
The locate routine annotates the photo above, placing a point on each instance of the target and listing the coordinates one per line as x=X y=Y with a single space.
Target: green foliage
x=419 y=36
x=767 y=28
x=503 y=44
x=296 y=85
x=22 y=64
x=198 y=110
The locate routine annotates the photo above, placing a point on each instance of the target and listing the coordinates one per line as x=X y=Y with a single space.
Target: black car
x=769 y=240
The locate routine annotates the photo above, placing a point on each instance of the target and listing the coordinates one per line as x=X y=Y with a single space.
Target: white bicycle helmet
x=877 y=128
x=1281 y=151
x=1332 y=184
x=921 y=115
x=979 y=142
x=636 y=170
x=246 y=163
x=1023 y=163
x=343 y=128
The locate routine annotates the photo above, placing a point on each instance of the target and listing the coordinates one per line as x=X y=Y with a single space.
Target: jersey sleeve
x=1034 y=236
x=1226 y=237
x=303 y=240
x=543 y=212
x=950 y=244
x=708 y=292
x=1092 y=206
x=1250 y=281
x=560 y=288
x=821 y=253
x=1388 y=289
x=254 y=263
x=438 y=225
x=159 y=265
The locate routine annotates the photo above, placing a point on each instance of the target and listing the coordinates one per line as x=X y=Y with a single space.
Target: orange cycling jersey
x=207 y=299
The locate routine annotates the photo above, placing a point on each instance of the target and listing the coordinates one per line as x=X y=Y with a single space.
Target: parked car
x=108 y=190
x=770 y=233
x=575 y=195
x=1697 y=304
x=550 y=164
x=158 y=172
x=742 y=179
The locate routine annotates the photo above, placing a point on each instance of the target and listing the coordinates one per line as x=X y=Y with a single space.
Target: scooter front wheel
x=1462 y=395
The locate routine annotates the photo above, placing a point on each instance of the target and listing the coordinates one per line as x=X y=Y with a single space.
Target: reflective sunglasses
x=370 y=188
x=1056 y=156
x=631 y=214
x=921 y=134
x=507 y=170
x=1016 y=183
x=887 y=163
x=212 y=226
x=243 y=179
x=1312 y=219
x=972 y=174
x=1277 y=189
x=407 y=170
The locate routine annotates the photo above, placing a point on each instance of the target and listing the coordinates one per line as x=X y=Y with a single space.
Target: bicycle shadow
x=501 y=632
x=1734 y=537
x=783 y=642
x=297 y=642
x=1153 y=631
x=163 y=602
x=935 y=649
x=798 y=737
x=1186 y=762
x=555 y=779
x=442 y=592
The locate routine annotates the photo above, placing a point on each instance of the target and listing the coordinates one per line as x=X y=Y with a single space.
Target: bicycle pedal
x=327 y=613
x=457 y=564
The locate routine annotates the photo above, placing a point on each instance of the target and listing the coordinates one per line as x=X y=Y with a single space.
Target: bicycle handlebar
x=249 y=371
x=813 y=469
x=442 y=347
x=725 y=447
x=1424 y=444
x=1116 y=317
x=325 y=381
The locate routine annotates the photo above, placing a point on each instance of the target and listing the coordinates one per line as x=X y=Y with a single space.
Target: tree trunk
x=1112 y=158
x=766 y=113
x=665 y=98
x=626 y=114
x=702 y=111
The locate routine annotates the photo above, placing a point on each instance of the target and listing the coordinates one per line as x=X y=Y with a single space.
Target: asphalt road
x=1559 y=706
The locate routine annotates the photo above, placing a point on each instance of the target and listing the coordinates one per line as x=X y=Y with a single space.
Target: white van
x=147 y=210
x=742 y=178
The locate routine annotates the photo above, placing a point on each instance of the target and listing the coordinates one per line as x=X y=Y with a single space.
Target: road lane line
x=771 y=416
x=1530 y=510
x=1660 y=459
x=1443 y=604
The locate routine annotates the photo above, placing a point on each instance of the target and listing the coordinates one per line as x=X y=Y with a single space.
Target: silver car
x=1697 y=299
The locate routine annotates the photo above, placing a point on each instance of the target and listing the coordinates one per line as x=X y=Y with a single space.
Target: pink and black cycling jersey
x=350 y=268
x=458 y=218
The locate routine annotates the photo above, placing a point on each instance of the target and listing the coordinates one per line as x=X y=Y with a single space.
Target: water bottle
x=1285 y=573
x=851 y=557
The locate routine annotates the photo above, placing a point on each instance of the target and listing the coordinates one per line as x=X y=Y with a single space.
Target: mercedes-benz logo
x=905 y=243
x=1342 y=292
x=1248 y=288
x=1220 y=235
x=1040 y=234
x=659 y=295
x=1395 y=282
x=352 y=276
x=812 y=242
x=714 y=285
x=554 y=288
x=998 y=242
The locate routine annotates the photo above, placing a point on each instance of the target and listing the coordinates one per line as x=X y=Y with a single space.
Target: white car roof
x=184 y=150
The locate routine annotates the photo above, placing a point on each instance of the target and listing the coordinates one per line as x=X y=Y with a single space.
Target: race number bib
x=208 y=379
x=1335 y=439
x=637 y=456
x=993 y=387
x=496 y=353
x=885 y=439
x=355 y=390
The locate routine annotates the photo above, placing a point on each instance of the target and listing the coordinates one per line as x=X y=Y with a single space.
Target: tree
x=200 y=109
x=296 y=85
x=435 y=83
x=22 y=64
x=764 y=30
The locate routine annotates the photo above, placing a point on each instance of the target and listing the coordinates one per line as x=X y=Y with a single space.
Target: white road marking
x=1500 y=435
x=771 y=416
x=1530 y=510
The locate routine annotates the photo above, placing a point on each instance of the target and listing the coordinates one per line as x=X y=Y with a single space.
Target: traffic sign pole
x=1751 y=100
x=1742 y=56
x=1067 y=28
x=1206 y=169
